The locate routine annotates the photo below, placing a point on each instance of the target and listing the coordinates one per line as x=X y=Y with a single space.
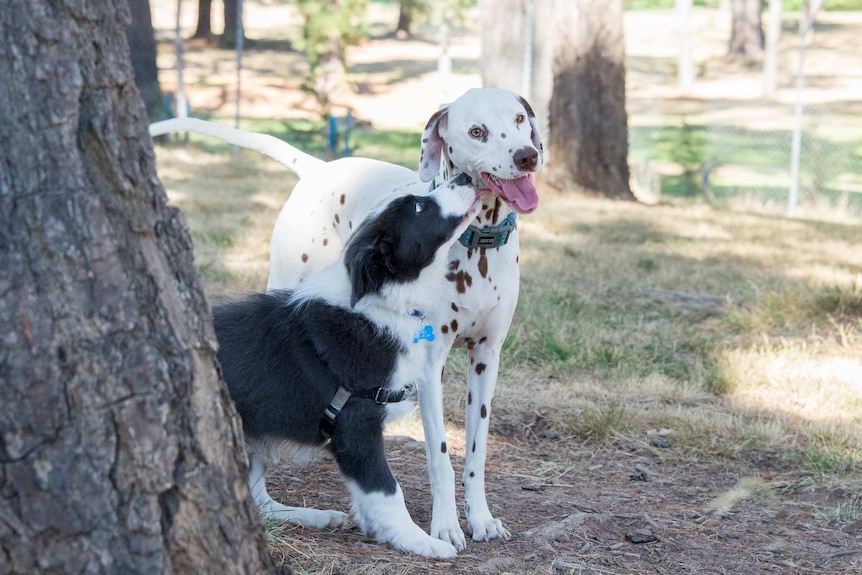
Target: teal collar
x=489 y=236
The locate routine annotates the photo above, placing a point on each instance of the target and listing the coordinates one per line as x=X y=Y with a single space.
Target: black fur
x=397 y=244
x=283 y=364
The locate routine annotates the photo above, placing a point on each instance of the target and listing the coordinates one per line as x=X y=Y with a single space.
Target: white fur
x=385 y=518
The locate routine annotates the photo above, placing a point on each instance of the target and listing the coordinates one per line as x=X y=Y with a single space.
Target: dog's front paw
x=450 y=533
x=489 y=528
x=426 y=546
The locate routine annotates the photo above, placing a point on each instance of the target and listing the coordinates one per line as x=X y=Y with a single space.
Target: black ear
x=367 y=259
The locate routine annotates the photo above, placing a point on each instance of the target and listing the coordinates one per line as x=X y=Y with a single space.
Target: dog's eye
x=476 y=132
x=519 y=119
x=420 y=206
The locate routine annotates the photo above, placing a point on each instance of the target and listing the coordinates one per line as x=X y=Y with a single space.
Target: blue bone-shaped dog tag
x=426 y=332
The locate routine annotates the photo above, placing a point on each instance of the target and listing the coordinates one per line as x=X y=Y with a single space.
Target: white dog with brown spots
x=492 y=136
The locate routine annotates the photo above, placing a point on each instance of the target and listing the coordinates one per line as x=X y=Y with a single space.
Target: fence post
x=806 y=23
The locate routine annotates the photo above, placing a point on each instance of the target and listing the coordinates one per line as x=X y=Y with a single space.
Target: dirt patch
x=595 y=509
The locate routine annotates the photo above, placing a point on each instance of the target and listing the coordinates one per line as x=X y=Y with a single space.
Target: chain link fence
x=730 y=145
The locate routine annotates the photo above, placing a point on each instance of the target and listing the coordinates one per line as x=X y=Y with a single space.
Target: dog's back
x=283 y=361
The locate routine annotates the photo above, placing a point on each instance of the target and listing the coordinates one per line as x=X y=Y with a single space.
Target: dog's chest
x=480 y=284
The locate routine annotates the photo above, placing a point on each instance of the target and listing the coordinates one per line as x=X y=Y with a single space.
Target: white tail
x=293 y=159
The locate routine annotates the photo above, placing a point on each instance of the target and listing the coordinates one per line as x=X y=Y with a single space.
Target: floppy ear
x=534 y=126
x=432 y=145
x=367 y=260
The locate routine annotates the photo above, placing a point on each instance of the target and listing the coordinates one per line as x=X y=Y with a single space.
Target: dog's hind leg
x=272 y=509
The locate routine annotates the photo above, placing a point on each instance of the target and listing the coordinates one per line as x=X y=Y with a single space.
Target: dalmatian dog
x=492 y=136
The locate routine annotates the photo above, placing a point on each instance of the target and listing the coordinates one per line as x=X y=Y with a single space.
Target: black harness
x=380 y=396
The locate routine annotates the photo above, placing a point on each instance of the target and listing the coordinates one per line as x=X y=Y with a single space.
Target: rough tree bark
x=120 y=451
x=588 y=134
x=142 y=49
x=506 y=60
x=746 y=32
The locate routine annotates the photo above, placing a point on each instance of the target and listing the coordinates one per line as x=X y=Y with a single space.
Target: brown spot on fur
x=444 y=328
x=337 y=219
x=341 y=199
x=325 y=241
x=454 y=307
x=483 y=413
x=304 y=258
x=472 y=474
x=469 y=397
x=461 y=279
x=471 y=343
x=483 y=263
x=483 y=339
x=454 y=265
x=480 y=368
x=454 y=325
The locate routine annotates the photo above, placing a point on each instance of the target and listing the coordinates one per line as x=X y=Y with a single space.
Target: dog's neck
x=396 y=307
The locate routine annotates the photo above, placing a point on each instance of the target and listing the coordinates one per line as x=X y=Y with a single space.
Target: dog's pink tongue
x=521 y=194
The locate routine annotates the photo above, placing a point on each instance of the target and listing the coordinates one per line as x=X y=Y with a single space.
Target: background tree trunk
x=685 y=62
x=204 y=28
x=142 y=50
x=507 y=62
x=770 y=60
x=746 y=32
x=588 y=136
x=228 y=38
x=120 y=451
x=405 y=18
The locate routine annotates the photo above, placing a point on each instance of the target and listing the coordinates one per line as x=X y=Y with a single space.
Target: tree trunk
x=120 y=451
x=685 y=61
x=142 y=50
x=746 y=33
x=405 y=19
x=770 y=61
x=588 y=136
x=517 y=50
x=204 y=28
x=228 y=38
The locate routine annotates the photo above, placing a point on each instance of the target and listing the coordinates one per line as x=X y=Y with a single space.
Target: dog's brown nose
x=526 y=159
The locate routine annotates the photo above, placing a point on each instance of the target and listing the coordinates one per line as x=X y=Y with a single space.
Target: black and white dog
x=330 y=358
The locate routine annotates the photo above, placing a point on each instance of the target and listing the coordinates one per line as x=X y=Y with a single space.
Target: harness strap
x=380 y=395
